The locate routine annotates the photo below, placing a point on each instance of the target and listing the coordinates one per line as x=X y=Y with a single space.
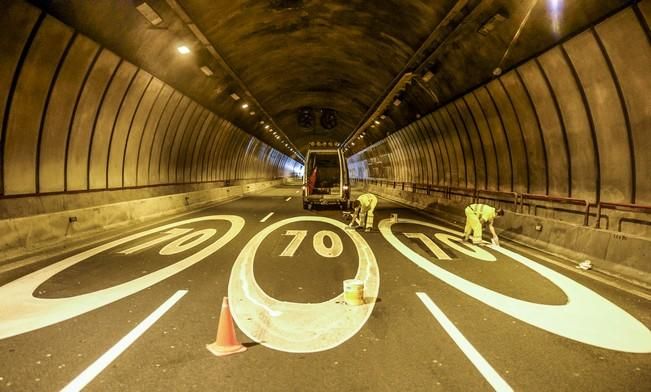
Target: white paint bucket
x=394 y=218
x=354 y=291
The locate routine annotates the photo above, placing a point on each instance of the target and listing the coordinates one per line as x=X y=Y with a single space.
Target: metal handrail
x=558 y=199
x=615 y=206
x=500 y=193
x=448 y=191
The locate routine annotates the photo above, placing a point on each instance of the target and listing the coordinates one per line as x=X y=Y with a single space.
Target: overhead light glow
x=245 y=105
x=266 y=127
x=235 y=97
x=183 y=49
x=376 y=121
x=251 y=113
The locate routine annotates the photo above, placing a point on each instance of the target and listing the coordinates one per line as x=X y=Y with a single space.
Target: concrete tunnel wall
x=573 y=122
x=76 y=118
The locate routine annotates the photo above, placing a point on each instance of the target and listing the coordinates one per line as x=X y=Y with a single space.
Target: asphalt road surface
x=135 y=312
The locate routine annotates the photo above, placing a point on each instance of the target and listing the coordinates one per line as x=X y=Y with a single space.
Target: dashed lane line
x=102 y=362
x=266 y=217
x=288 y=199
x=486 y=370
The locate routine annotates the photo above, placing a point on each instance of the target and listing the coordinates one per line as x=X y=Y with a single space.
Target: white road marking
x=288 y=199
x=318 y=241
x=299 y=327
x=266 y=217
x=468 y=349
x=22 y=312
x=587 y=317
x=296 y=191
x=102 y=362
x=431 y=245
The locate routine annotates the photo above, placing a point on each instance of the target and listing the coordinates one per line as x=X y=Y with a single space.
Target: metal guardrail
x=518 y=199
x=619 y=206
x=557 y=199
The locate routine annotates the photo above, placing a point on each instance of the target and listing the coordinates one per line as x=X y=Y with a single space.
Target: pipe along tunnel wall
x=84 y=128
x=567 y=129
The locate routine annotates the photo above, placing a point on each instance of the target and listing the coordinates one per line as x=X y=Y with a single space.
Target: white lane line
x=102 y=362
x=288 y=199
x=266 y=217
x=296 y=191
x=473 y=355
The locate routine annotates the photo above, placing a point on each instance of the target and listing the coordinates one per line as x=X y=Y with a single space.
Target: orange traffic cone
x=226 y=342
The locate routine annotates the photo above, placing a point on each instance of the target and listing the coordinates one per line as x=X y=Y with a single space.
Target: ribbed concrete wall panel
x=183 y=153
x=610 y=125
x=134 y=138
x=125 y=121
x=566 y=89
x=485 y=139
x=455 y=156
x=180 y=120
x=192 y=174
x=162 y=141
x=22 y=19
x=627 y=47
x=111 y=102
x=28 y=103
x=86 y=109
x=54 y=135
x=474 y=143
x=432 y=139
x=551 y=127
x=77 y=117
x=571 y=122
x=500 y=151
x=512 y=135
x=159 y=112
x=531 y=133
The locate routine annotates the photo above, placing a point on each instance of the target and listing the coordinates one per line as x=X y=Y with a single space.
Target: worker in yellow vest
x=476 y=216
x=364 y=208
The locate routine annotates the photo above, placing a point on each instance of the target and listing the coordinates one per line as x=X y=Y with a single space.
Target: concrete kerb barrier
x=28 y=234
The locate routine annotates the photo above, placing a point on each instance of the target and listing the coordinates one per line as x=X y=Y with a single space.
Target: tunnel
x=122 y=114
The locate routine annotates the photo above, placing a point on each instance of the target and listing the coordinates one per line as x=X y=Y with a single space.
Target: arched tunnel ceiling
x=283 y=55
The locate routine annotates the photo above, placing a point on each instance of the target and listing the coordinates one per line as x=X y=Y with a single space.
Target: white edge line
x=102 y=362
x=469 y=351
x=288 y=199
x=266 y=217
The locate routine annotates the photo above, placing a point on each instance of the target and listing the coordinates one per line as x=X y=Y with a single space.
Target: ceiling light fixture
x=149 y=14
x=206 y=70
x=183 y=49
x=245 y=105
x=235 y=97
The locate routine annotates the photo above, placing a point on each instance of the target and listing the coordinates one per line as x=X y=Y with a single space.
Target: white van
x=325 y=179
